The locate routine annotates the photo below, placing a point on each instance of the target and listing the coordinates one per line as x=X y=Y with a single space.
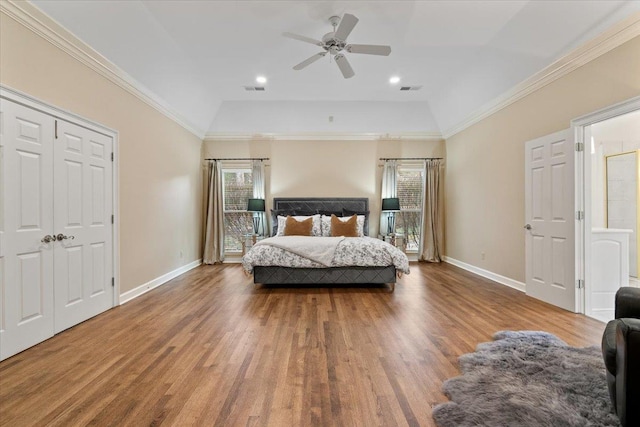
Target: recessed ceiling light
x=394 y=80
x=261 y=79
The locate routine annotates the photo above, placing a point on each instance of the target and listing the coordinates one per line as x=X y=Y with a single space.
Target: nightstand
x=249 y=241
x=396 y=240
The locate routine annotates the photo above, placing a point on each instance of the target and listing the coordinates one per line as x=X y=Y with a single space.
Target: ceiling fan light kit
x=335 y=43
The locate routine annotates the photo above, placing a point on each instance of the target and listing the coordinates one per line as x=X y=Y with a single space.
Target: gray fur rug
x=528 y=378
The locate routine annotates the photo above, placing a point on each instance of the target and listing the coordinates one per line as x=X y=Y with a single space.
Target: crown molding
x=324 y=136
x=615 y=36
x=41 y=24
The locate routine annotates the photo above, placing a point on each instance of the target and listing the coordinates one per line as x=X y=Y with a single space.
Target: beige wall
x=160 y=185
x=485 y=163
x=325 y=168
x=160 y=181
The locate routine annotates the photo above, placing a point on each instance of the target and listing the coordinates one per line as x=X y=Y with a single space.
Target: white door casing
x=550 y=213
x=27 y=316
x=82 y=223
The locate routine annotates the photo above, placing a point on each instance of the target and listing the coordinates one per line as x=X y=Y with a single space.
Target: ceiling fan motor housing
x=332 y=44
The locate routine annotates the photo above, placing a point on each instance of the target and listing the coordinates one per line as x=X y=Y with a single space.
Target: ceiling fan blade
x=344 y=66
x=369 y=49
x=302 y=38
x=347 y=23
x=309 y=61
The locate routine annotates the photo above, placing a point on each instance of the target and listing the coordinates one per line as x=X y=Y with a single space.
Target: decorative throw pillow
x=348 y=228
x=360 y=226
x=293 y=227
x=326 y=225
x=277 y=213
x=316 y=230
x=363 y=217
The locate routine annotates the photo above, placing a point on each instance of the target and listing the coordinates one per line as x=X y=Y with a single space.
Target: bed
x=273 y=266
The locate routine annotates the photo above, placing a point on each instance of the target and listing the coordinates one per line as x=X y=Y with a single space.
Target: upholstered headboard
x=326 y=205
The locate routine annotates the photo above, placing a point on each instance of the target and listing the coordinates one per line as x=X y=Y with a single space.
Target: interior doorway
x=608 y=192
x=614 y=149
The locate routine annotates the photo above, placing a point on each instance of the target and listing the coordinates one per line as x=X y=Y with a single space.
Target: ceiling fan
x=336 y=41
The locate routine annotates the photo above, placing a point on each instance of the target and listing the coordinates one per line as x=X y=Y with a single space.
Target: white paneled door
x=27 y=305
x=549 y=219
x=56 y=255
x=82 y=223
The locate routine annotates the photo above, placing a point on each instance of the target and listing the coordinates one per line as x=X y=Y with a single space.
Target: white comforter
x=348 y=252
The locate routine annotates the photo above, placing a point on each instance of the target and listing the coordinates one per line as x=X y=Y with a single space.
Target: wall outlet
x=181 y=254
x=482 y=255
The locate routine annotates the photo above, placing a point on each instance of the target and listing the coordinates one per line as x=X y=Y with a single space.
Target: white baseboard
x=159 y=281
x=488 y=274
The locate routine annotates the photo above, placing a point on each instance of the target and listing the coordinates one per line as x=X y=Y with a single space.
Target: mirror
x=622 y=173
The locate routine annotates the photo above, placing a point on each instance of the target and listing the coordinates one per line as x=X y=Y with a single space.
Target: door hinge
x=580 y=284
x=579 y=215
x=55 y=129
x=112 y=219
x=112 y=157
x=113 y=282
x=579 y=146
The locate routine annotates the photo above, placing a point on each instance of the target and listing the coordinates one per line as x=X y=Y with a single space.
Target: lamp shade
x=255 y=205
x=391 y=204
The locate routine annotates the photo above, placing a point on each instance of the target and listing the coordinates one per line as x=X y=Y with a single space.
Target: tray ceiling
x=197 y=56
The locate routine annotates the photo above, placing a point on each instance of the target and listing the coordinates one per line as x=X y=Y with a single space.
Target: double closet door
x=56 y=254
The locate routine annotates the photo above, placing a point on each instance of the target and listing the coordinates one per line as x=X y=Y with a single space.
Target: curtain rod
x=410 y=158
x=242 y=158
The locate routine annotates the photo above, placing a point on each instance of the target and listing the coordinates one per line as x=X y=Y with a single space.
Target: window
x=409 y=219
x=237 y=190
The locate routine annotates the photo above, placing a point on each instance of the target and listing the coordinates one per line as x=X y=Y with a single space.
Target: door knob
x=48 y=238
x=60 y=237
x=528 y=227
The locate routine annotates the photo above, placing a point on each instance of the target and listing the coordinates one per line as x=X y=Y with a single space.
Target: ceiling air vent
x=254 y=88
x=410 y=87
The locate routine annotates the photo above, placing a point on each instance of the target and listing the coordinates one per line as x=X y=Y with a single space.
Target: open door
x=550 y=219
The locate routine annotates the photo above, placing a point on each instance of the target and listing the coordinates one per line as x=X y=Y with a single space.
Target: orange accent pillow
x=348 y=228
x=293 y=227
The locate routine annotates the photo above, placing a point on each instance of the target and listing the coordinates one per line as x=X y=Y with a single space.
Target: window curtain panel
x=432 y=244
x=389 y=189
x=213 y=251
x=257 y=175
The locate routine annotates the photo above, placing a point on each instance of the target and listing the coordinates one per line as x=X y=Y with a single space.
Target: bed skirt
x=324 y=276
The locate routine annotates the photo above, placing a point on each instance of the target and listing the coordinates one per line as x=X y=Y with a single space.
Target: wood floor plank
x=211 y=348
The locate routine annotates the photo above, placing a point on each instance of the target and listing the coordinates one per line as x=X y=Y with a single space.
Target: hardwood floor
x=210 y=348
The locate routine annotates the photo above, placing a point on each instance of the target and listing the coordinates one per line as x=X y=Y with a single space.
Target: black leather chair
x=621 y=352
